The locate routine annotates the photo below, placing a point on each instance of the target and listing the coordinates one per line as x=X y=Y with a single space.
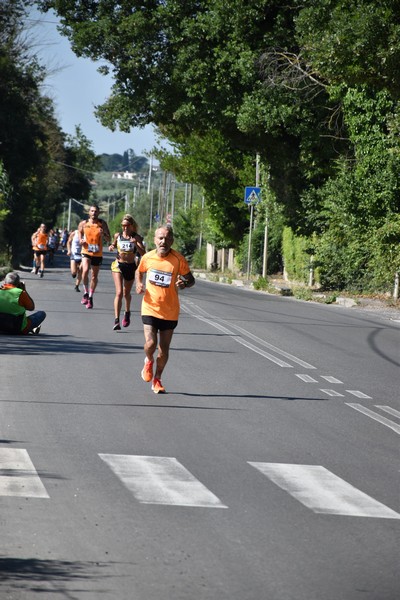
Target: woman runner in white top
x=129 y=244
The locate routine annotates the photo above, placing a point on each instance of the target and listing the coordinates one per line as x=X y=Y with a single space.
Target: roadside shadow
x=36 y=575
x=373 y=343
x=253 y=397
x=62 y=344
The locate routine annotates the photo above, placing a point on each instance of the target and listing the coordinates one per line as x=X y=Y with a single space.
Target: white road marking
x=18 y=476
x=389 y=409
x=226 y=328
x=331 y=379
x=375 y=416
x=262 y=342
x=332 y=393
x=238 y=339
x=306 y=378
x=160 y=480
x=323 y=492
x=267 y=355
x=359 y=394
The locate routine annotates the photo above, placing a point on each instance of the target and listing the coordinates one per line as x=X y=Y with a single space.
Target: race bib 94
x=161 y=278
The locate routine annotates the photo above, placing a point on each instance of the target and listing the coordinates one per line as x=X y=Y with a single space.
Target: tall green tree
x=312 y=87
x=44 y=168
x=194 y=69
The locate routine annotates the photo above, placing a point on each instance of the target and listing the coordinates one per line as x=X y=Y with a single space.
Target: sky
x=76 y=88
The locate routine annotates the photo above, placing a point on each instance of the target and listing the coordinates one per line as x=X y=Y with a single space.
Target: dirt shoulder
x=385 y=306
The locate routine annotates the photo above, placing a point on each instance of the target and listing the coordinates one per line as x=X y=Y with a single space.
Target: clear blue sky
x=76 y=87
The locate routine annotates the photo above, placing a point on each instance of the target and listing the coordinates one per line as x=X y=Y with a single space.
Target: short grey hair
x=12 y=278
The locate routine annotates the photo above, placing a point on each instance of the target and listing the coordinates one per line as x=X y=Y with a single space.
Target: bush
x=302 y=293
x=296 y=255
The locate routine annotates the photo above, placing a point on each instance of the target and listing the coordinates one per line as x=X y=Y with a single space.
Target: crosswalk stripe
x=18 y=476
x=322 y=491
x=373 y=415
x=160 y=480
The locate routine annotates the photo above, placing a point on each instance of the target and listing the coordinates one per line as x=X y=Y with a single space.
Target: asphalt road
x=269 y=471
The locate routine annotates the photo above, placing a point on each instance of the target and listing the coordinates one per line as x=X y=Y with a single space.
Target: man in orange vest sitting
x=14 y=302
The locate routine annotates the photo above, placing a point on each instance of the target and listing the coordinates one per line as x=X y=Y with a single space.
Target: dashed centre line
x=332 y=393
x=359 y=394
x=331 y=379
x=232 y=330
x=306 y=378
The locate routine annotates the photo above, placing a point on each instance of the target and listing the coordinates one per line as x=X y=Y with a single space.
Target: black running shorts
x=159 y=324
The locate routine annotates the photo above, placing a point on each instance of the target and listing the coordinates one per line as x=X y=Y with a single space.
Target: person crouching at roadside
x=14 y=302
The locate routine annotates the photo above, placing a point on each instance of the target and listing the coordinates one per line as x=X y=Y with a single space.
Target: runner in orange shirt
x=167 y=271
x=40 y=241
x=91 y=232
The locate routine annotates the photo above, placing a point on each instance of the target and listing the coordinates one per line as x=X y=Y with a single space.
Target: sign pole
x=250 y=235
x=251 y=197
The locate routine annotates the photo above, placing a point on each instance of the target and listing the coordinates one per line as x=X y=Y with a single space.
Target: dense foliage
x=41 y=167
x=312 y=87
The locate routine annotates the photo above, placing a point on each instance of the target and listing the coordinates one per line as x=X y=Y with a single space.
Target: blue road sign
x=252 y=195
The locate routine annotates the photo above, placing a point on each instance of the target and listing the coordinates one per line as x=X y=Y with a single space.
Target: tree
x=312 y=87
x=193 y=69
x=33 y=147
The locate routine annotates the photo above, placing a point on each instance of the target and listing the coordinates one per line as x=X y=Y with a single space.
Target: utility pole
x=150 y=172
x=69 y=215
x=172 y=200
x=151 y=205
x=265 y=249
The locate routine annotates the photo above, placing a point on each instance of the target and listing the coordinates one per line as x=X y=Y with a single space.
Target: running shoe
x=85 y=298
x=117 y=326
x=157 y=386
x=77 y=288
x=36 y=330
x=126 y=321
x=147 y=371
x=89 y=303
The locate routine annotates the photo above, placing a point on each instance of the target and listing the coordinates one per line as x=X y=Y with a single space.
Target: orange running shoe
x=147 y=371
x=157 y=386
